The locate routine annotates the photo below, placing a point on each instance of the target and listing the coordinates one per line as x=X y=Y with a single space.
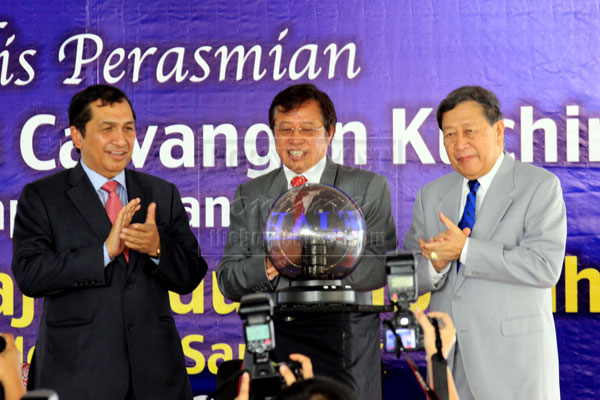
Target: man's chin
x=296 y=167
x=469 y=175
x=467 y=170
x=116 y=168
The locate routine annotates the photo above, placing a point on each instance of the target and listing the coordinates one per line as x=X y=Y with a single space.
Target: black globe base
x=316 y=292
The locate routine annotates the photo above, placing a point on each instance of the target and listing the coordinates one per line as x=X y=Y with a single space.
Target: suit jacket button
x=130 y=285
x=130 y=327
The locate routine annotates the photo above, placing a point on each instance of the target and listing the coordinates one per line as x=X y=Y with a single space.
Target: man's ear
x=330 y=135
x=499 y=128
x=77 y=136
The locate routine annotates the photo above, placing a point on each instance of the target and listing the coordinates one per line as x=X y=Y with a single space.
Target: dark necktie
x=113 y=206
x=468 y=217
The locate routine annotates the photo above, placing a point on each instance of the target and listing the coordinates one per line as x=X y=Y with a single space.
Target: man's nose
x=297 y=136
x=120 y=137
x=461 y=142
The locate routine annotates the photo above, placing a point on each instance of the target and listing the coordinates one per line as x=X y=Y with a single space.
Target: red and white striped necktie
x=298 y=181
x=298 y=206
x=113 y=206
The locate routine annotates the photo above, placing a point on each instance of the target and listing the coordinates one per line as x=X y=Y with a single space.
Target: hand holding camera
x=10 y=368
x=288 y=375
x=446 y=327
x=306 y=369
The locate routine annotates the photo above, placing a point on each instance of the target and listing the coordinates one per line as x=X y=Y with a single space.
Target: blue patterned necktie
x=468 y=217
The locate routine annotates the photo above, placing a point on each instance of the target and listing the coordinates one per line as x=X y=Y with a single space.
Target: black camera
x=402 y=288
x=41 y=394
x=256 y=311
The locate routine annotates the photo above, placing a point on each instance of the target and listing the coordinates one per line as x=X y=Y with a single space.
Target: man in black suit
x=107 y=329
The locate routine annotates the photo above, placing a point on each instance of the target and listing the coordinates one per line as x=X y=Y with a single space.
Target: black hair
x=79 y=109
x=317 y=388
x=296 y=95
x=486 y=99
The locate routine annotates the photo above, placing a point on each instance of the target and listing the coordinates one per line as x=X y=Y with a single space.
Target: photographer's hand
x=448 y=336
x=244 y=387
x=10 y=370
x=307 y=370
x=286 y=373
x=447 y=331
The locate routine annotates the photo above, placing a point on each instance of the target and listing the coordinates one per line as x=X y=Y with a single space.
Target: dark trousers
x=343 y=346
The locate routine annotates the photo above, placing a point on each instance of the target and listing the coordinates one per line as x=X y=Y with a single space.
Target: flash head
x=256 y=310
x=401 y=276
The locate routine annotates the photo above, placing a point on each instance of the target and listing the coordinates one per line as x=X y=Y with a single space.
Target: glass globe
x=314 y=231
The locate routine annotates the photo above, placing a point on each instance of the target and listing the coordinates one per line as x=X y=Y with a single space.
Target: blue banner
x=201 y=76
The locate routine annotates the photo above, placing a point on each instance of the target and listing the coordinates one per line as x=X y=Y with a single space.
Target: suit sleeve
x=242 y=267
x=181 y=266
x=411 y=242
x=38 y=267
x=369 y=274
x=536 y=259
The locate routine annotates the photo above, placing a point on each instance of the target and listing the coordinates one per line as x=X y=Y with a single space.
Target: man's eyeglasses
x=303 y=130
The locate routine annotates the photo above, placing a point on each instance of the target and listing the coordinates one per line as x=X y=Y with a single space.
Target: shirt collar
x=486 y=180
x=313 y=175
x=98 y=180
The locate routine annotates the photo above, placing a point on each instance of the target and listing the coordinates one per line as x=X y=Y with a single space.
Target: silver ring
x=434 y=255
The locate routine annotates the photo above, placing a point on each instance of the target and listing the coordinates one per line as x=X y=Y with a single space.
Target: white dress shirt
x=313 y=175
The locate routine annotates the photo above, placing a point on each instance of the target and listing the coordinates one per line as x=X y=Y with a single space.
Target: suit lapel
x=329 y=173
x=87 y=202
x=493 y=208
x=496 y=201
x=278 y=185
x=449 y=201
x=449 y=204
x=135 y=189
x=276 y=188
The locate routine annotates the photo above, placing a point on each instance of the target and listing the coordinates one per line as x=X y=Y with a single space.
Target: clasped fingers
x=143 y=238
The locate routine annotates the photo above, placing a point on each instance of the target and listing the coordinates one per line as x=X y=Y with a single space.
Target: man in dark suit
x=345 y=345
x=107 y=330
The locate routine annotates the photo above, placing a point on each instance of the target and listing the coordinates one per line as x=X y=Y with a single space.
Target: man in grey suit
x=344 y=345
x=491 y=266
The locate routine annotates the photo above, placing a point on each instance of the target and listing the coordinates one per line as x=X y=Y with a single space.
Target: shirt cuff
x=463 y=253
x=107 y=258
x=437 y=276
